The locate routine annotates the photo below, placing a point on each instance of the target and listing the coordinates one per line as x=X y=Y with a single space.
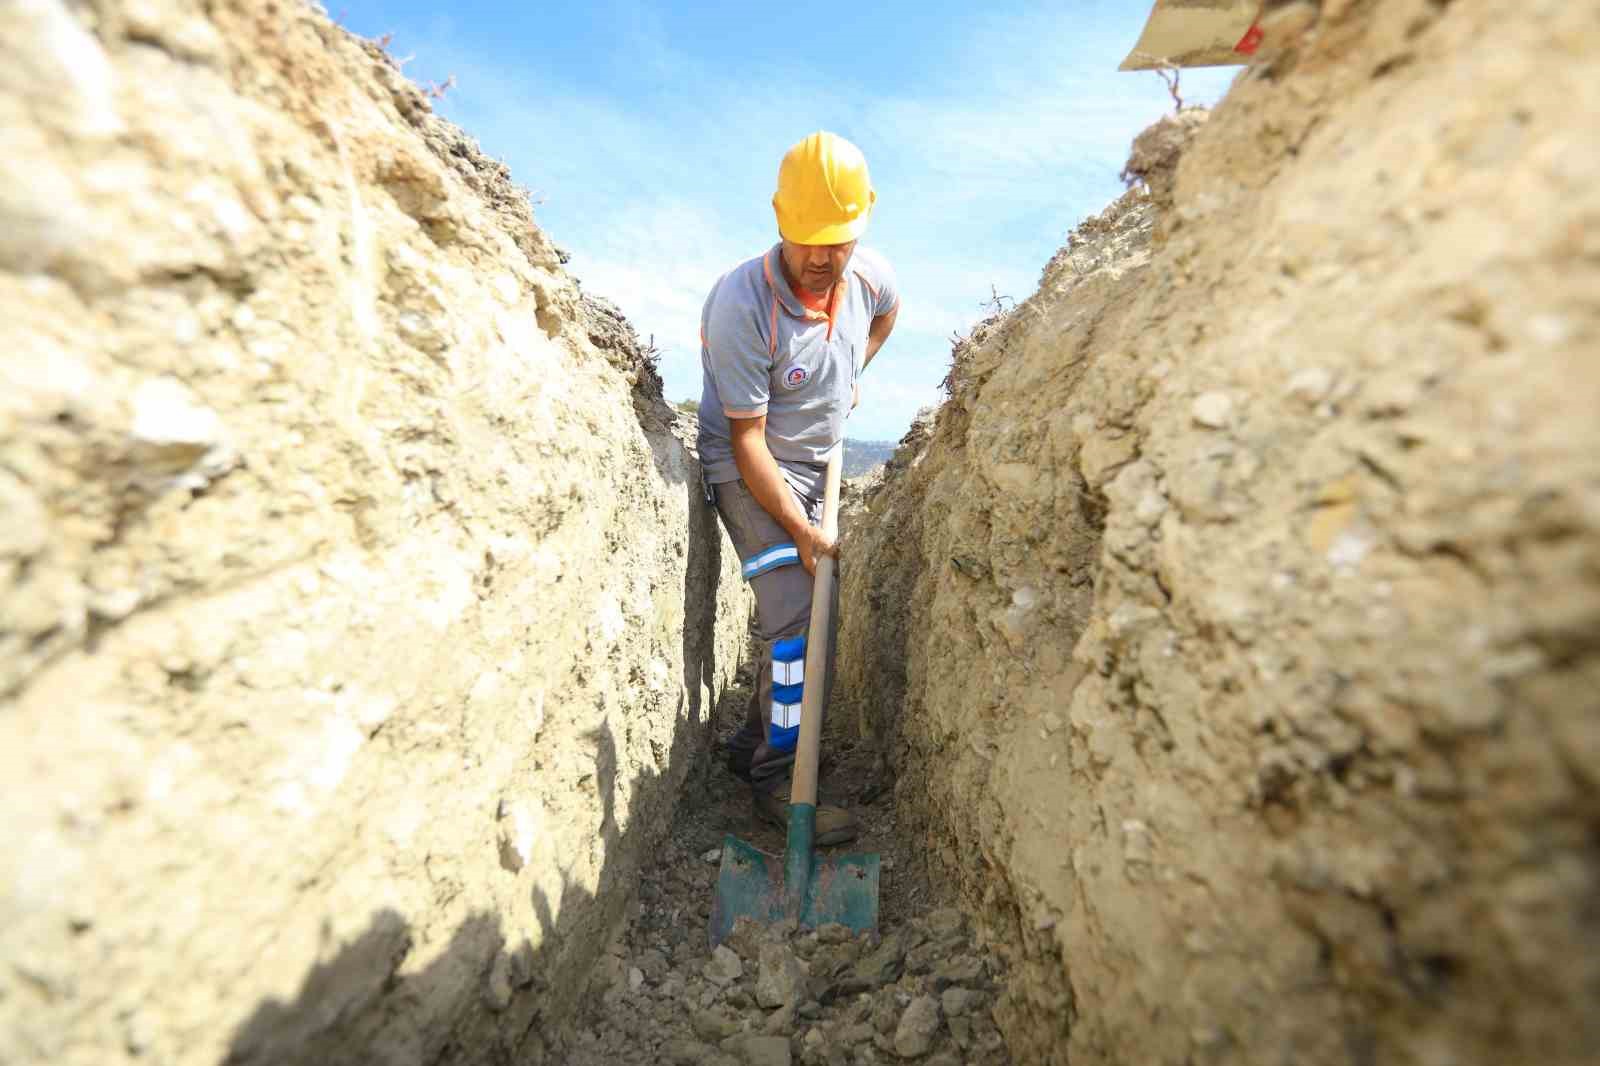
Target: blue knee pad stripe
x=788 y=691
x=790 y=650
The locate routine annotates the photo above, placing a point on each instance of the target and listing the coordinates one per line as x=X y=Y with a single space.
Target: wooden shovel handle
x=809 y=748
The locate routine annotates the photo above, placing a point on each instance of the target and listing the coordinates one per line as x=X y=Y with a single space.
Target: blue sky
x=650 y=135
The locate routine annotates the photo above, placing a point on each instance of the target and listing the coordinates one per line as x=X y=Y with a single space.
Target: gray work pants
x=783 y=609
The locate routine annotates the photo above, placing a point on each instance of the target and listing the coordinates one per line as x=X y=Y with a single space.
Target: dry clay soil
x=919 y=987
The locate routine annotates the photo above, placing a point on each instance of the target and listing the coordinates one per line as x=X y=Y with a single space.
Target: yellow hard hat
x=825 y=194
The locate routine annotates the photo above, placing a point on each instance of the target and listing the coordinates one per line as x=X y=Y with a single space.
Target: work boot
x=835 y=825
x=739 y=762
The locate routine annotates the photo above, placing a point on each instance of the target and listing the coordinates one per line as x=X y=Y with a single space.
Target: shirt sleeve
x=736 y=356
x=888 y=291
x=881 y=283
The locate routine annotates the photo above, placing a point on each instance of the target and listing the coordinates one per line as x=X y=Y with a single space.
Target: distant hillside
x=861 y=456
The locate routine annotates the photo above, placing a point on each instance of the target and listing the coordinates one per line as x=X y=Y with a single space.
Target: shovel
x=803 y=887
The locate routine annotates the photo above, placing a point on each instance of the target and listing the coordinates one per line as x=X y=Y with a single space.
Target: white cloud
x=887 y=406
x=935 y=319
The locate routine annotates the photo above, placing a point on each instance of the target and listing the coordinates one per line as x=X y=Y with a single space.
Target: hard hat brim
x=837 y=233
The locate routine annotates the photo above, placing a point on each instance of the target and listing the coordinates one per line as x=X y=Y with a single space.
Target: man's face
x=816 y=266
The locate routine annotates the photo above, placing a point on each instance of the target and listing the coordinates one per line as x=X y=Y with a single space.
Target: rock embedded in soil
x=858 y=1033
x=829 y=961
x=880 y=967
x=653 y=964
x=781 y=978
x=1214 y=410
x=959 y=1001
x=746 y=938
x=960 y=970
x=686 y=1052
x=887 y=1007
x=945 y=922
x=767 y=1051
x=918 y=1026
x=724 y=966
x=782 y=1021
x=713 y=1024
x=834 y=933
x=924 y=957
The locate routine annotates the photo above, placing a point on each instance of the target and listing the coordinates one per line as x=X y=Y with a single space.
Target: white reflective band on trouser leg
x=785 y=715
x=774 y=557
x=789 y=673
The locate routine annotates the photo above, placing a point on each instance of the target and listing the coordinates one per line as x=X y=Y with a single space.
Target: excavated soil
x=920 y=986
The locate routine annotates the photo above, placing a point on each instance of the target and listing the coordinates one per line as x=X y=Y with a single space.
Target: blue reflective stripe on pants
x=775 y=556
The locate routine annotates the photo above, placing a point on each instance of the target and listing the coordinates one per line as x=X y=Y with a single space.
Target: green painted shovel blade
x=752 y=884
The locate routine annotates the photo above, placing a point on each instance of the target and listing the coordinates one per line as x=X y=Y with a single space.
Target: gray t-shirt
x=763 y=352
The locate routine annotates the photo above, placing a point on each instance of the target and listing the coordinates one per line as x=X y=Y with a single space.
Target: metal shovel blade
x=752 y=884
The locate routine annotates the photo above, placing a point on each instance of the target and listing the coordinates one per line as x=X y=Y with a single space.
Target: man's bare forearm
x=763 y=478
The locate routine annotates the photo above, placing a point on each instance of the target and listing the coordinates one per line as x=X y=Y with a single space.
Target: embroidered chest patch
x=796 y=377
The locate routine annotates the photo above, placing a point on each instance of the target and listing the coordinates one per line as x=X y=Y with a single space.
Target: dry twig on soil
x=1170 y=75
x=995 y=302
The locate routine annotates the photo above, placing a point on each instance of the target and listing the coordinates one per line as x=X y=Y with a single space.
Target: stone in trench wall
x=359 y=615
x=1251 y=657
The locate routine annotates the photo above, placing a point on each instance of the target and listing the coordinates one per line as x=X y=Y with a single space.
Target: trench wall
x=358 y=618
x=1234 y=628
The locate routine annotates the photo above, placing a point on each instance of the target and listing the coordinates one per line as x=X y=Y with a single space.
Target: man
x=784 y=339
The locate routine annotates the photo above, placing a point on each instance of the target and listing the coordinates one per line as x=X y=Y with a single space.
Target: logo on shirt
x=797 y=376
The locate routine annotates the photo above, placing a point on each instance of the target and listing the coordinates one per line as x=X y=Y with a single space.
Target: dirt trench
x=1219 y=662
